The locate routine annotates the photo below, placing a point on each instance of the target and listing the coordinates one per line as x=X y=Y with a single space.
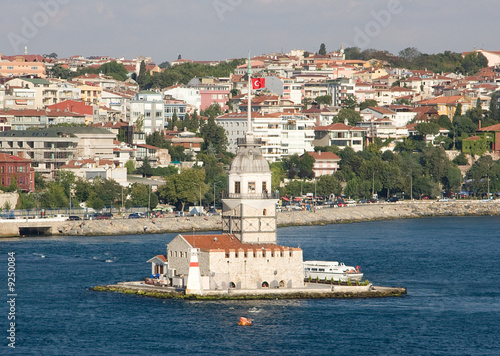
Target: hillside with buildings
x=340 y=123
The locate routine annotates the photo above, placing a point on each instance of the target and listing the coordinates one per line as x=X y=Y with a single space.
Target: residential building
x=281 y=134
x=446 y=105
x=212 y=91
x=52 y=148
x=89 y=169
x=20 y=67
x=149 y=108
x=18 y=169
x=326 y=163
x=189 y=95
x=186 y=139
x=340 y=135
x=78 y=107
x=26 y=119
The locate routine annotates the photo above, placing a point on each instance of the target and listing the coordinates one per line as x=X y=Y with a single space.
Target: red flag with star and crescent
x=258 y=83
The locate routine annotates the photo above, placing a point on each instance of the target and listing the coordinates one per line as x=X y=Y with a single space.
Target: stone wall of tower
x=248 y=269
x=252 y=221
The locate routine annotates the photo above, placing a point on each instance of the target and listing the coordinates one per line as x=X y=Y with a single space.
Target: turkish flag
x=258 y=83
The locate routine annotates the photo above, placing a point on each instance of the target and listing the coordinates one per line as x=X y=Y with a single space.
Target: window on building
x=264 y=212
x=251 y=187
x=264 y=187
x=237 y=187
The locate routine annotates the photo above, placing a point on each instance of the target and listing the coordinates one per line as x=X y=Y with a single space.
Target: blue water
x=449 y=265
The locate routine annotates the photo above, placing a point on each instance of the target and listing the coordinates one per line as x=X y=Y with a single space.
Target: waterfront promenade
x=169 y=224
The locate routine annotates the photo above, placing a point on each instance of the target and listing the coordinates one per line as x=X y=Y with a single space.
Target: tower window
x=264 y=212
x=237 y=187
x=264 y=187
x=251 y=187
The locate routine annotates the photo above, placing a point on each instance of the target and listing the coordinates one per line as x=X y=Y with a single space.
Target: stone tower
x=249 y=208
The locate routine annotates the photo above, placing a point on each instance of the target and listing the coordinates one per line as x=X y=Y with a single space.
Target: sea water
x=449 y=266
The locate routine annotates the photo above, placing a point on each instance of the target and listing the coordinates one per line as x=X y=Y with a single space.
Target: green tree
x=54 y=197
x=145 y=169
x=212 y=111
x=40 y=183
x=115 y=70
x=184 y=188
x=458 y=110
x=143 y=78
x=328 y=184
x=214 y=135
x=324 y=100
x=367 y=104
x=130 y=165
x=452 y=181
x=141 y=196
x=494 y=114
x=322 y=49
x=349 y=102
x=95 y=202
x=350 y=115
x=305 y=166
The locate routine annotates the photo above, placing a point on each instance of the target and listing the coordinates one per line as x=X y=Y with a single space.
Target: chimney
x=319 y=153
x=20 y=155
x=479 y=125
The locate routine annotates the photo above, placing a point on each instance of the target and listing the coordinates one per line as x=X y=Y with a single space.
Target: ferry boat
x=331 y=269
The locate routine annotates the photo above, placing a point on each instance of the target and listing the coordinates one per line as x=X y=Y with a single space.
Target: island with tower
x=244 y=260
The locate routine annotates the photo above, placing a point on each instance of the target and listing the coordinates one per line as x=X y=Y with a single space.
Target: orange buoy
x=244 y=321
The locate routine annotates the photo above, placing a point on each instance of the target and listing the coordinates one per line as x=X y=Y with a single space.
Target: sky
x=224 y=29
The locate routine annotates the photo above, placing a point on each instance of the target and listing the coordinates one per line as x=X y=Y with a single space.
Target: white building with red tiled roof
x=89 y=169
x=326 y=163
x=340 y=135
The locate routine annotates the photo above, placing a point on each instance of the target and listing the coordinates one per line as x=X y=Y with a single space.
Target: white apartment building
x=191 y=96
x=281 y=134
x=36 y=93
x=150 y=108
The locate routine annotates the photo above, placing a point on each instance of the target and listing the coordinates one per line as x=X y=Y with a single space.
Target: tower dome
x=249 y=160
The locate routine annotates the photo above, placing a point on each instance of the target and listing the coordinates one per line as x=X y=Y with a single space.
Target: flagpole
x=249 y=110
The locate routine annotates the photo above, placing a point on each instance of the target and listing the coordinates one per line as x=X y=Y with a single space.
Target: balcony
x=250 y=196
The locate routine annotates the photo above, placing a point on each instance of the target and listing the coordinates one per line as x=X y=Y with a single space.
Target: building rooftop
x=228 y=242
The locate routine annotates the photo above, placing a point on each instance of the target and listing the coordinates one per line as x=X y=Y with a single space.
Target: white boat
x=331 y=269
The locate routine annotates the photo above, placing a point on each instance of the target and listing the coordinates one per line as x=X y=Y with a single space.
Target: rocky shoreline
x=365 y=212
x=303 y=293
x=172 y=224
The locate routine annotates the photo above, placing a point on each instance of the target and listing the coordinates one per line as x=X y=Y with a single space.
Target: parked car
x=74 y=217
x=393 y=199
x=104 y=216
x=90 y=216
x=135 y=216
x=180 y=213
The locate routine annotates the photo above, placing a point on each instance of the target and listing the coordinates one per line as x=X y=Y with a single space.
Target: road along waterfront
x=363 y=212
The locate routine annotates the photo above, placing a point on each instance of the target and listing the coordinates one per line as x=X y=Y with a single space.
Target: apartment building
x=51 y=148
x=281 y=134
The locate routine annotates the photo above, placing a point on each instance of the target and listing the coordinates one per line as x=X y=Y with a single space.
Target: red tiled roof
x=5 y=157
x=495 y=127
x=442 y=100
x=321 y=156
x=337 y=127
x=229 y=242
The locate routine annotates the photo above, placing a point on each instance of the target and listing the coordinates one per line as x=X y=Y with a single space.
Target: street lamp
x=214 y=192
x=200 y=196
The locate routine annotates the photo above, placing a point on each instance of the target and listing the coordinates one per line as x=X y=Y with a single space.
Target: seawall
x=365 y=212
